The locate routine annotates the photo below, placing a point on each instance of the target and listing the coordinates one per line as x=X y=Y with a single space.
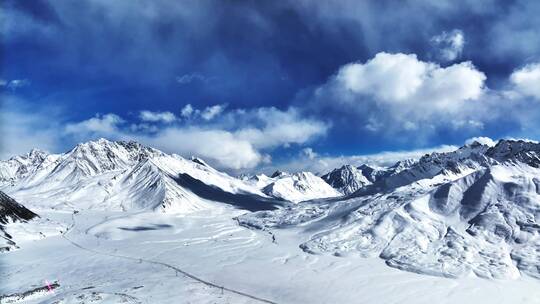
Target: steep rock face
x=297 y=187
x=11 y=212
x=516 y=152
x=348 y=179
x=474 y=211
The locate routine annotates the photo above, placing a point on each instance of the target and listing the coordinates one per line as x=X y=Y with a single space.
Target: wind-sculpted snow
x=472 y=211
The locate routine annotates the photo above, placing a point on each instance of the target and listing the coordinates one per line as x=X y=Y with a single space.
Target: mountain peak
x=278 y=173
x=347 y=179
x=199 y=161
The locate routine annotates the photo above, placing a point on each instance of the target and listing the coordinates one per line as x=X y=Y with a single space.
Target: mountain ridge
x=470 y=211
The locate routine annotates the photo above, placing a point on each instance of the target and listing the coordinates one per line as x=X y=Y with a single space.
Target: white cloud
x=210 y=112
x=218 y=146
x=237 y=139
x=398 y=92
x=14 y=84
x=166 y=117
x=449 y=44
x=279 y=128
x=527 y=80
x=186 y=111
x=403 y=79
x=309 y=153
x=240 y=138
x=106 y=125
x=482 y=140
x=24 y=128
x=189 y=78
x=143 y=127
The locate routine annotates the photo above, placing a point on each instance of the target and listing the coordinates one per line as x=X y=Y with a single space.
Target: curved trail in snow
x=185 y=273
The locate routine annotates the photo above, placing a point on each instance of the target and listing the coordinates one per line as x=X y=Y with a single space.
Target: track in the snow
x=185 y=273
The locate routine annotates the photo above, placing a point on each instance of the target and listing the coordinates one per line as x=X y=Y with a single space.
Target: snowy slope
x=11 y=212
x=19 y=167
x=106 y=175
x=300 y=186
x=347 y=179
x=470 y=211
x=18 y=224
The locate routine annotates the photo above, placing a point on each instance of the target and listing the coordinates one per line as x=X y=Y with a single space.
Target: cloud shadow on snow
x=146 y=228
x=245 y=201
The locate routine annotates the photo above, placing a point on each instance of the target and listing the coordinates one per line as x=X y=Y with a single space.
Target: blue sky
x=257 y=85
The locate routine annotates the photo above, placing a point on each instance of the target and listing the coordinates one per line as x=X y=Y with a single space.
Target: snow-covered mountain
x=348 y=179
x=11 y=212
x=19 y=224
x=300 y=186
x=474 y=210
x=294 y=187
x=107 y=175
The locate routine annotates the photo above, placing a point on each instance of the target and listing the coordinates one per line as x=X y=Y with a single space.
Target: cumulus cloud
x=166 y=117
x=240 y=138
x=309 y=153
x=186 y=111
x=482 y=140
x=218 y=146
x=235 y=140
x=210 y=112
x=449 y=45
x=526 y=80
x=106 y=125
x=399 y=92
x=275 y=128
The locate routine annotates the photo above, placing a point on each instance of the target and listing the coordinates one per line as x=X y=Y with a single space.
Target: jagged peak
x=518 y=144
x=346 y=168
x=401 y=164
x=199 y=161
x=278 y=173
x=37 y=152
x=33 y=154
x=521 y=150
x=112 y=148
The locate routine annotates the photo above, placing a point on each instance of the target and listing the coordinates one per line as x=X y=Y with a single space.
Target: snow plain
x=125 y=257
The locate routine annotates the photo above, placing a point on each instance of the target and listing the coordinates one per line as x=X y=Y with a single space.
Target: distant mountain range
x=107 y=175
x=472 y=210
